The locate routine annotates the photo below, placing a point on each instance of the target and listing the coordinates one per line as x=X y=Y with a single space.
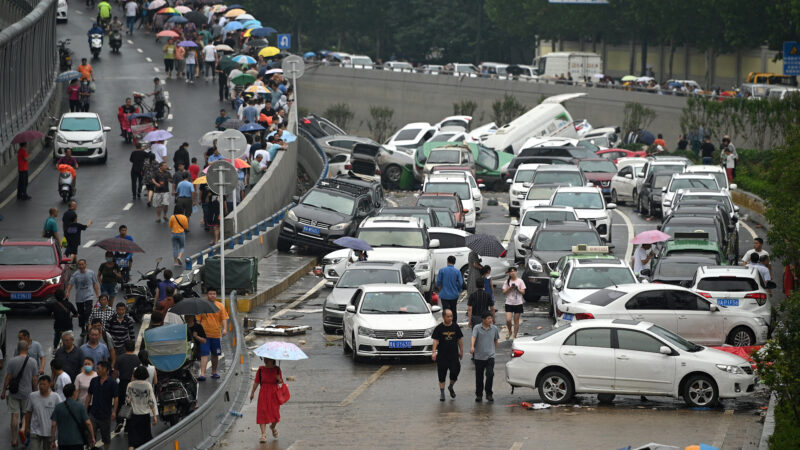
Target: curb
x=769 y=425
x=755 y=206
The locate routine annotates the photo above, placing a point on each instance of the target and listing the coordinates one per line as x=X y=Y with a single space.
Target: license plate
x=567 y=316
x=131 y=300
x=399 y=344
x=20 y=296
x=311 y=230
x=79 y=150
x=170 y=409
x=606 y=190
x=728 y=302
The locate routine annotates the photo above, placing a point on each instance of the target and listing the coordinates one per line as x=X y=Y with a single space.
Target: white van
x=549 y=118
x=580 y=64
x=398 y=66
x=493 y=70
x=358 y=62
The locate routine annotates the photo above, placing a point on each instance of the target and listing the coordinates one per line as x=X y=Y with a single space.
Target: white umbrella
x=208 y=138
x=245 y=17
x=644 y=79
x=598 y=76
x=271 y=71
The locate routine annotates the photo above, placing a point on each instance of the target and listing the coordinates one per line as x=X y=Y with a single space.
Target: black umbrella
x=193 y=307
x=119 y=245
x=646 y=137
x=196 y=18
x=485 y=245
x=232 y=123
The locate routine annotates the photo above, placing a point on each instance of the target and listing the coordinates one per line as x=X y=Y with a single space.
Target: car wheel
x=353 y=350
x=345 y=347
x=392 y=174
x=641 y=207
x=284 y=245
x=105 y=158
x=741 y=337
x=513 y=211
x=605 y=398
x=635 y=198
x=700 y=391
x=329 y=330
x=465 y=275
x=555 y=388
x=614 y=198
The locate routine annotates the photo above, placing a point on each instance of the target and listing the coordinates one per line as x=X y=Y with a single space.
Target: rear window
x=564 y=178
x=407 y=135
x=603 y=297
x=728 y=284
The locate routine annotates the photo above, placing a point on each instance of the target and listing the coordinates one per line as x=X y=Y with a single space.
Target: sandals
x=274 y=431
x=263 y=438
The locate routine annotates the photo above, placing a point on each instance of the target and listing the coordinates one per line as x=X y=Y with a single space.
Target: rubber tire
x=329 y=330
x=465 y=275
x=570 y=389
x=687 y=395
x=641 y=208
x=284 y=245
x=513 y=212
x=105 y=157
x=635 y=198
x=354 y=353
x=345 y=347
x=614 y=198
x=388 y=171
x=530 y=298
x=606 y=398
x=737 y=330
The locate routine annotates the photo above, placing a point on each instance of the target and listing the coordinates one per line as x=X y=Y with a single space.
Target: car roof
x=80 y=114
x=550 y=208
x=454 y=175
x=388 y=287
x=689 y=244
x=693 y=176
x=709 y=271
x=557 y=225
x=591 y=189
x=395 y=209
x=558 y=168
x=376 y=264
x=690 y=219
x=438 y=194
x=701 y=168
x=529 y=166
x=392 y=222
x=667 y=162
x=447 y=230
x=630 y=288
x=356 y=181
x=684 y=257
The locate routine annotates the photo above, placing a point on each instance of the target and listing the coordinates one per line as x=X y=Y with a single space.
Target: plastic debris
x=527 y=405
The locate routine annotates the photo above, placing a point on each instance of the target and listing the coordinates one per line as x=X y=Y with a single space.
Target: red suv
x=30 y=271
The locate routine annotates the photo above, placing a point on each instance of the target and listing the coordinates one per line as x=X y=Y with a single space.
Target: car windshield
x=392 y=237
x=672 y=228
x=693 y=183
x=547 y=334
x=674 y=339
x=563 y=241
x=441 y=202
x=668 y=168
x=524 y=176
x=461 y=189
x=541 y=193
x=599 y=277
x=454 y=122
x=407 y=135
x=603 y=297
x=326 y=200
x=553 y=177
x=393 y=303
x=597 y=166
x=487 y=158
x=353 y=278
x=589 y=145
x=579 y=200
x=683 y=269
x=361 y=61
x=444 y=157
x=34 y=255
x=581 y=153
x=599 y=140
x=533 y=217
x=445 y=219
x=721 y=200
x=80 y=124
x=728 y=284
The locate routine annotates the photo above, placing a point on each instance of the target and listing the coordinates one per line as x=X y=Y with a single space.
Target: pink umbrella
x=167 y=33
x=27 y=136
x=650 y=237
x=183 y=9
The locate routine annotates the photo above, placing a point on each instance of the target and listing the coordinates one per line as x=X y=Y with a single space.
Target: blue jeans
x=178 y=244
x=130 y=21
x=707 y=160
x=190 y=71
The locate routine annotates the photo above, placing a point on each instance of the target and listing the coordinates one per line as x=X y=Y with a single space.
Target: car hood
x=319 y=214
x=343 y=253
x=399 y=254
x=548 y=256
x=32 y=272
x=598 y=176
x=80 y=135
x=397 y=321
x=340 y=296
x=527 y=230
x=591 y=213
x=714 y=356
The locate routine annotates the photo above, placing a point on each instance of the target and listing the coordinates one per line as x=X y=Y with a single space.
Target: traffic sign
x=791 y=58
x=225 y=184
x=231 y=140
x=293 y=66
x=284 y=41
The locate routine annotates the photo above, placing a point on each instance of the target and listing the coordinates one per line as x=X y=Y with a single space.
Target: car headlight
x=534 y=265
x=331 y=261
x=340 y=226
x=429 y=332
x=54 y=280
x=515 y=192
x=477 y=198
x=98 y=139
x=61 y=139
x=730 y=369
x=760 y=321
x=422 y=267
x=364 y=331
x=291 y=215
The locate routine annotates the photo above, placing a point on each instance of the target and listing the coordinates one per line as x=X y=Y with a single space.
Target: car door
x=640 y=367
x=588 y=355
x=695 y=320
x=347 y=322
x=450 y=244
x=653 y=306
x=623 y=182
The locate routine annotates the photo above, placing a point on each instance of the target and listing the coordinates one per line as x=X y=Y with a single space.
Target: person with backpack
x=21 y=379
x=70 y=423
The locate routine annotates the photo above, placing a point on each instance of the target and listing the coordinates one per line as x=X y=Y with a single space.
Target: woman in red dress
x=269 y=409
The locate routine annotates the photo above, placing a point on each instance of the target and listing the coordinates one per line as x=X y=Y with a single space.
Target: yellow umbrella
x=234 y=12
x=218 y=8
x=266 y=52
x=200 y=180
x=257 y=89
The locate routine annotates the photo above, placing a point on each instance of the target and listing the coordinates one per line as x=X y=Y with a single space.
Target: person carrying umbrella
x=268 y=378
x=194 y=334
x=641 y=257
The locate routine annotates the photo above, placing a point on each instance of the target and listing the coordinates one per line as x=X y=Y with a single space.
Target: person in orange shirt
x=87 y=73
x=660 y=141
x=215 y=325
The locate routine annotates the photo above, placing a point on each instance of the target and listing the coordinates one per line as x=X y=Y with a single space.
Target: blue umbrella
x=354 y=243
x=157 y=135
x=233 y=26
x=280 y=351
x=178 y=19
x=68 y=76
x=309 y=55
x=234 y=6
x=646 y=137
x=244 y=59
x=252 y=23
x=251 y=127
x=323 y=52
x=262 y=32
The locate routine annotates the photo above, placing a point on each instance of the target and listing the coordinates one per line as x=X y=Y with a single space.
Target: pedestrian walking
x=84 y=95
x=755 y=261
x=222 y=81
x=727 y=144
x=84 y=379
x=60 y=379
x=150 y=170
x=448 y=349
x=126 y=363
x=707 y=151
x=41 y=405
x=22 y=172
x=35 y=350
x=268 y=379
x=209 y=60
x=144 y=361
x=641 y=257
x=74 y=96
x=483 y=348
x=137 y=160
x=486 y=275
x=514 y=290
x=161 y=197
x=67 y=421
x=70 y=355
x=181 y=156
x=94 y=349
x=478 y=303
x=50 y=229
x=109 y=274
x=72 y=233
x=194 y=334
x=191 y=64
x=450 y=284
x=87 y=288
x=169 y=57
x=102 y=403
x=184 y=193
x=121 y=327
x=215 y=325
x=256 y=171
x=140 y=396
x=131 y=12
x=758 y=248
x=20 y=381
x=179 y=225
x=180 y=62
x=194 y=169
x=101 y=313
x=160 y=152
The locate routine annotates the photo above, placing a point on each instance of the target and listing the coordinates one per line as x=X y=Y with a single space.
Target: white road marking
x=516 y=446
x=629 y=248
x=359 y=390
x=507 y=237
x=392 y=202
x=166 y=94
x=79 y=11
x=169 y=116
x=130 y=42
x=140 y=50
x=111 y=224
x=127 y=206
x=169 y=129
x=88 y=244
x=148 y=59
x=749 y=230
x=302 y=298
x=156 y=69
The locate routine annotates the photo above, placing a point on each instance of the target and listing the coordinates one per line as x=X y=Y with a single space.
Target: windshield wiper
x=328 y=208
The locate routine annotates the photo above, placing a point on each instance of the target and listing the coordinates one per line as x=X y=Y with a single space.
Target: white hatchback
x=452 y=184
x=84 y=133
x=735 y=287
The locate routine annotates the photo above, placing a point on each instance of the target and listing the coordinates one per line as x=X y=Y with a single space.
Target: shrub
x=465 y=108
x=506 y=110
x=637 y=117
x=340 y=114
x=381 y=124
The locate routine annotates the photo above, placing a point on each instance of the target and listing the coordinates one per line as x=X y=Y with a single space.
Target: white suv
x=477 y=196
x=523 y=178
x=459 y=185
x=716 y=171
x=735 y=287
x=589 y=204
x=686 y=182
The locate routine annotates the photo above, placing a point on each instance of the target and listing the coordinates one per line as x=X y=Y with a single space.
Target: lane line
x=79 y=11
x=127 y=206
x=169 y=129
x=166 y=94
x=289 y=307
x=392 y=202
x=169 y=116
x=111 y=224
x=156 y=69
x=88 y=244
x=752 y=232
x=140 y=50
x=148 y=59
x=629 y=248
x=130 y=42
x=359 y=390
x=507 y=237
x=516 y=446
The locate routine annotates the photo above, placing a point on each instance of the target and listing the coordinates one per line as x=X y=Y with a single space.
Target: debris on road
x=281 y=330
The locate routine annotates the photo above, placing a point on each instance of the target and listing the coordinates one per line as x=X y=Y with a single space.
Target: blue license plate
x=728 y=302
x=606 y=190
x=399 y=344
x=20 y=296
x=311 y=230
x=567 y=316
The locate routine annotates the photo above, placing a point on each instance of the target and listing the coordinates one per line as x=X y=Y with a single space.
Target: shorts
x=514 y=309
x=211 y=345
x=443 y=365
x=103 y=426
x=160 y=199
x=70 y=250
x=108 y=289
x=16 y=405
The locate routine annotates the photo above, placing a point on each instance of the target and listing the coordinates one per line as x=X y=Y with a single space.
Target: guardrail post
x=264 y=224
x=188 y=263
x=248 y=234
x=230 y=244
x=240 y=239
x=200 y=259
x=211 y=252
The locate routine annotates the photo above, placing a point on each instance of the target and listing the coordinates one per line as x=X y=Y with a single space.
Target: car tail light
x=704 y=294
x=377 y=171
x=558 y=313
x=348 y=167
x=760 y=298
x=516 y=353
x=584 y=316
x=306 y=121
x=503 y=255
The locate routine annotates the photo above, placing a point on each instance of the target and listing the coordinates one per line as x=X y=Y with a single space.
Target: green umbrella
x=243 y=79
x=226 y=64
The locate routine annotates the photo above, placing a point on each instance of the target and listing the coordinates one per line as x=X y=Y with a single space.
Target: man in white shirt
x=758 y=248
x=755 y=261
x=159 y=151
x=209 y=60
x=131 y=11
x=60 y=378
x=265 y=159
x=642 y=257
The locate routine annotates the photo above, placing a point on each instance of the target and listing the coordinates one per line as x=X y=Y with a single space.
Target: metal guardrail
x=326 y=166
x=28 y=65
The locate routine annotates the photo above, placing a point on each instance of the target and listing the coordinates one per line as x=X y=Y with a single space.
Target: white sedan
x=625 y=357
x=675 y=308
x=388 y=320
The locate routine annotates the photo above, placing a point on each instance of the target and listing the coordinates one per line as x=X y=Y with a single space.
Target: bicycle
x=138 y=100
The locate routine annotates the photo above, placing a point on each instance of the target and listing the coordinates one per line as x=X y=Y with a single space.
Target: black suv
x=551 y=241
x=332 y=209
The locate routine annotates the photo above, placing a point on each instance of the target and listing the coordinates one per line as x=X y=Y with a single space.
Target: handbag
x=283 y=394
x=124 y=411
x=13 y=385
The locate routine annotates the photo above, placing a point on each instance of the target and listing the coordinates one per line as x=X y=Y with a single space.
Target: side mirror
x=296 y=199
x=664 y=350
x=53 y=128
x=554 y=274
x=640 y=175
x=481 y=185
x=508 y=180
x=558 y=285
x=106 y=129
x=664 y=189
x=645 y=272
x=629 y=176
x=733 y=186
x=611 y=206
x=436 y=308
x=771 y=285
x=351 y=309
x=589 y=184
x=434 y=243
x=713 y=308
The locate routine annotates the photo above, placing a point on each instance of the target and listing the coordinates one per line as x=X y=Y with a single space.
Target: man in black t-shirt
x=707 y=151
x=478 y=303
x=137 y=160
x=448 y=349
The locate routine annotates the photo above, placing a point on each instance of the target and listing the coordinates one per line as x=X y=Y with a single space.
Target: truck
x=579 y=64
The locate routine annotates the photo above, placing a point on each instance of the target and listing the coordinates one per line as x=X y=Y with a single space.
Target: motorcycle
x=95 y=44
x=140 y=299
x=66 y=182
x=176 y=390
x=186 y=282
x=115 y=41
x=151 y=277
x=64 y=56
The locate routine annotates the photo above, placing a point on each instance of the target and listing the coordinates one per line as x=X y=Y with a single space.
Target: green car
x=489 y=163
x=694 y=246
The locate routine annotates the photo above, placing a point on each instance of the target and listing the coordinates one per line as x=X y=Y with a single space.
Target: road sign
x=284 y=41
x=231 y=141
x=791 y=58
x=222 y=185
x=293 y=66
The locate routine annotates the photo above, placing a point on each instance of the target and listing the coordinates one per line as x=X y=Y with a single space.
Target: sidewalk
x=276 y=272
